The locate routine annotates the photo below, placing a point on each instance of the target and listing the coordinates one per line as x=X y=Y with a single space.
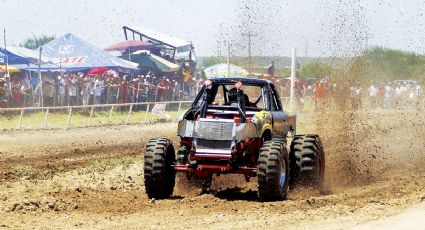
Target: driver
x=233 y=98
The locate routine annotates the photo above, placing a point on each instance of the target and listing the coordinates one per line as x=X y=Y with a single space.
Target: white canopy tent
x=180 y=44
x=224 y=70
x=178 y=49
x=29 y=53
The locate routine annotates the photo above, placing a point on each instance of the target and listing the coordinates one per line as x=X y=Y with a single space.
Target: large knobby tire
x=273 y=171
x=159 y=172
x=307 y=160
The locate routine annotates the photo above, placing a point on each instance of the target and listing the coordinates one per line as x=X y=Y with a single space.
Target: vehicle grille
x=213 y=144
x=213 y=130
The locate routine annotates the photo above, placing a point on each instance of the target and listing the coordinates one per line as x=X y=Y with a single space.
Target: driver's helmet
x=233 y=95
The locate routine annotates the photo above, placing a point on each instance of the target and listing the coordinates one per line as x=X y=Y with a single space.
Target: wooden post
x=129 y=113
x=91 y=115
x=110 y=114
x=147 y=110
x=46 y=118
x=163 y=110
x=69 y=117
x=178 y=110
x=20 y=118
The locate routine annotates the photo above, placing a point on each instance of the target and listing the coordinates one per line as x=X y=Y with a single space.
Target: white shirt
x=372 y=91
x=387 y=91
x=91 y=87
x=418 y=89
x=72 y=90
x=397 y=91
x=99 y=88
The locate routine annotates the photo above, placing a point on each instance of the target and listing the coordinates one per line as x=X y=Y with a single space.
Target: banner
x=158 y=109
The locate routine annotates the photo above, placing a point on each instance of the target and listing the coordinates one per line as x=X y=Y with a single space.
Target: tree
x=209 y=61
x=316 y=69
x=36 y=42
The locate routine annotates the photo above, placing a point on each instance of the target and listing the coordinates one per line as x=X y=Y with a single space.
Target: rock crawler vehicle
x=236 y=125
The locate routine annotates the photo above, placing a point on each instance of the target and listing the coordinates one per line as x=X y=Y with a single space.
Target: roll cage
x=268 y=95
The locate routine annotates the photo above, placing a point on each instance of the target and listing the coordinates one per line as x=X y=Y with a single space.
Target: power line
x=249 y=35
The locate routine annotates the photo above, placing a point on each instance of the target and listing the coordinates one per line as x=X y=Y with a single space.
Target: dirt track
x=92 y=178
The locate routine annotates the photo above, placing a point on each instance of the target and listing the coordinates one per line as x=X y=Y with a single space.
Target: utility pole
x=4 y=36
x=249 y=35
x=39 y=76
x=7 y=58
x=293 y=75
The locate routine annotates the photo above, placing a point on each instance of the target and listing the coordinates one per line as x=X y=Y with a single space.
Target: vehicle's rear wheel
x=159 y=173
x=273 y=171
x=307 y=160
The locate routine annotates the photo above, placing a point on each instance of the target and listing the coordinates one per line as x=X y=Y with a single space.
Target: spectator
x=388 y=96
x=319 y=95
x=271 y=70
x=72 y=90
x=98 y=89
x=373 y=92
x=61 y=91
x=91 y=90
x=381 y=94
x=48 y=93
x=162 y=89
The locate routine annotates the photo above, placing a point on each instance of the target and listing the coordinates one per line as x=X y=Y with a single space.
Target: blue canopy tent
x=32 y=55
x=27 y=60
x=10 y=58
x=76 y=55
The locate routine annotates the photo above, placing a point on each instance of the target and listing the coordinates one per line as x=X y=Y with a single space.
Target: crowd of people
x=68 y=89
x=395 y=94
x=388 y=95
x=106 y=88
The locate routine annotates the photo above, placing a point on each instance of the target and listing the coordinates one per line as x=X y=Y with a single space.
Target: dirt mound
x=41 y=206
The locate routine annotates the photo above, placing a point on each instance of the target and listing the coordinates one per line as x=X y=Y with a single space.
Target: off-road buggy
x=236 y=125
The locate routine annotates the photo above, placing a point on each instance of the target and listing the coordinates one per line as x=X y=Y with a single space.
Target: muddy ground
x=91 y=178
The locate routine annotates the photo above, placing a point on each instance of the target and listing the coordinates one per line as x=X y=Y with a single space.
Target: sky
x=315 y=27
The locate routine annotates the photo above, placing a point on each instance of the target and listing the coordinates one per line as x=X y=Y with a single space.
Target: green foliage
x=386 y=65
x=36 y=42
x=374 y=65
x=209 y=61
x=316 y=69
x=283 y=72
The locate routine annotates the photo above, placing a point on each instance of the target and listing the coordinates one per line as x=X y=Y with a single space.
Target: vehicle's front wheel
x=159 y=173
x=273 y=171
